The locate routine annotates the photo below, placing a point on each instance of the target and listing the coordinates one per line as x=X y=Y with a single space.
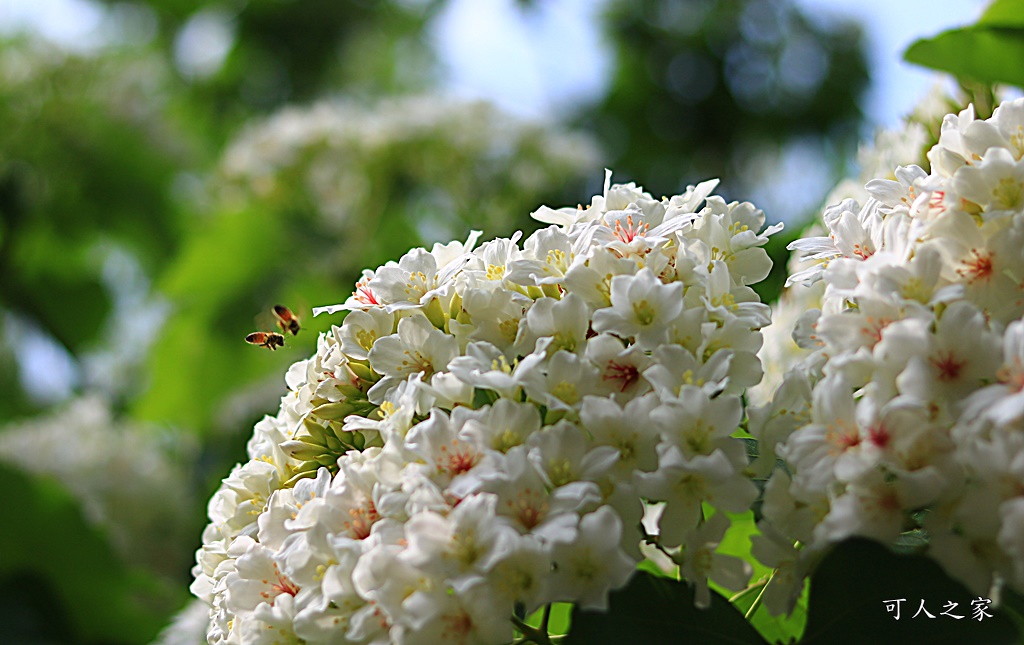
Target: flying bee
x=286 y=320
x=269 y=339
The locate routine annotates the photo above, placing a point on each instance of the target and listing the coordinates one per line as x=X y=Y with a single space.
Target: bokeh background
x=170 y=169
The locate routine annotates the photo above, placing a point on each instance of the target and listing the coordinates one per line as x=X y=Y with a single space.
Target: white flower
x=563 y=454
x=590 y=565
x=626 y=429
x=698 y=561
x=362 y=329
x=642 y=307
x=460 y=546
x=527 y=504
x=563 y=384
x=996 y=184
x=417 y=348
x=622 y=368
x=1003 y=402
x=501 y=426
x=698 y=425
x=485 y=366
x=961 y=355
x=685 y=483
x=546 y=256
x=553 y=325
x=521 y=572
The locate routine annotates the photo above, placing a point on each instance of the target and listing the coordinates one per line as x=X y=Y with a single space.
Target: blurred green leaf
x=1003 y=13
x=189 y=373
x=107 y=602
x=56 y=282
x=980 y=53
x=558 y=620
x=853 y=583
x=230 y=272
x=88 y=152
x=654 y=611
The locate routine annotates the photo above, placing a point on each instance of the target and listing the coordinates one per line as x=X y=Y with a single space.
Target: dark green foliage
x=86 y=161
x=851 y=584
x=659 y=611
x=698 y=84
x=48 y=546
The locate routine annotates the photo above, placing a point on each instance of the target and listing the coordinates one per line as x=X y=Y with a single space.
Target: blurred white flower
x=132 y=482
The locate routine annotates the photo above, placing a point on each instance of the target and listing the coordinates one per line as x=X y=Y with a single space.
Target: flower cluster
x=438 y=162
x=482 y=433
x=904 y=421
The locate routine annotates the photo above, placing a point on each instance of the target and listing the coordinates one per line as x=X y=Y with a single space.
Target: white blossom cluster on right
x=905 y=421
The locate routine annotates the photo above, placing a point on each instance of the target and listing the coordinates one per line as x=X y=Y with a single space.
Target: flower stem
x=757 y=601
x=743 y=592
x=531 y=634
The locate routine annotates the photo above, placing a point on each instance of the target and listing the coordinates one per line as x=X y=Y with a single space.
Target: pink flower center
x=457 y=460
x=363 y=519
x=626 y=374
x=977 y=267
x=948 y=366
x=456 y=627
x=879 y=435
x=844 y=439
x=529 y=508
x=863 y=251
x=364 y=294
x=631 y=230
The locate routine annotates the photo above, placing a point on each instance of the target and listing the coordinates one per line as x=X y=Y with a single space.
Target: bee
x=270 y=340
x=286 y=320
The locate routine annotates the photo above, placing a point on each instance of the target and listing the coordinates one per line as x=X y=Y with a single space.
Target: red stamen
x=948 y=365
x=977 y=268
x=626 y=373
x=879 y=435
x=631 y=230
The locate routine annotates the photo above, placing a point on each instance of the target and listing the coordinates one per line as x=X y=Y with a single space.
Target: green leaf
x=654 y=611
x=851 y=587
x=980 y=53
x=1004 y=13
x=200 y=356
x=558 y=620
x=65 y=298
x=1013 y=605
x=775 y=629
x=784 y=629
x=50 y=541
x=235 y=250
